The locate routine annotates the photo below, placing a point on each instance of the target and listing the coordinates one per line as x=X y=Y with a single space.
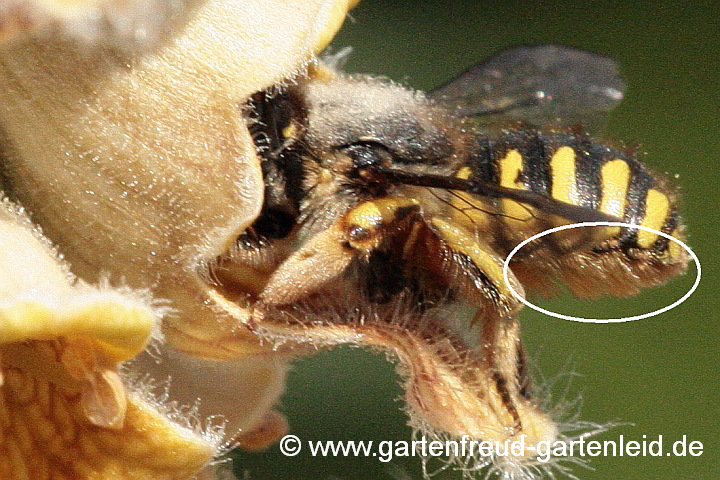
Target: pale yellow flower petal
x=155 y=124
x=64 y=410
x=45 y=431
x=143 y=24
x=40 y=300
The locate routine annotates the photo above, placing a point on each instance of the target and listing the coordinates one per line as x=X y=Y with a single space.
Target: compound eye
x=366 y=155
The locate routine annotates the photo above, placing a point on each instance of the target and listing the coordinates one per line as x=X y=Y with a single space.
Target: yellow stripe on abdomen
x=511 y=166
x=657 y=208
x=615 y=184
x=675 y=252
x=564 y=189
x=562 y=167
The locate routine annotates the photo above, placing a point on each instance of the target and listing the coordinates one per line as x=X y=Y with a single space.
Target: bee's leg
x=322 y=259
x=474 y=271
x=458 y=386
x=327 y=255
x=450 y=389
x=470 y=266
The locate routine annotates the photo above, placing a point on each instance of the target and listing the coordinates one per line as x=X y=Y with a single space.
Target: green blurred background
x=662 y=373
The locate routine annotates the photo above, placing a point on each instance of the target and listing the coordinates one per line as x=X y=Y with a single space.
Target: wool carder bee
x=388 y=214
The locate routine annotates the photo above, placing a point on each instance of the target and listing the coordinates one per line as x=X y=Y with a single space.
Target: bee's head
x=324 y=140
x=376 y=122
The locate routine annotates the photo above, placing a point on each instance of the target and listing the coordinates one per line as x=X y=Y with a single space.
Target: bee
x=364 y=212
x=388 y=214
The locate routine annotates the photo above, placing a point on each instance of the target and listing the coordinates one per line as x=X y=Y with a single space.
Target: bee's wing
x=546 y=85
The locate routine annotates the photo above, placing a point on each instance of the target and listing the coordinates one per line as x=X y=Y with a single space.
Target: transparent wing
x=542 y=85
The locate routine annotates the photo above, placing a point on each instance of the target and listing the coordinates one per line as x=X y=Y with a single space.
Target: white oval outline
x=506 y=268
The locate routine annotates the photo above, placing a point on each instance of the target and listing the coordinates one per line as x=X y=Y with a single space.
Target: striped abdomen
x=575 y=170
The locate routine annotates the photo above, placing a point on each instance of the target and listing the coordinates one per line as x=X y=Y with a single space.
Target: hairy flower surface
x=91 y=94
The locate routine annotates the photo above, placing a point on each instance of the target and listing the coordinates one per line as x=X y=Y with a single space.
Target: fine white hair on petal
x=159 y=307
x=185 y=417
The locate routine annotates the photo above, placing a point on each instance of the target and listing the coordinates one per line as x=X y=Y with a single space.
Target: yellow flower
x=81 y=84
